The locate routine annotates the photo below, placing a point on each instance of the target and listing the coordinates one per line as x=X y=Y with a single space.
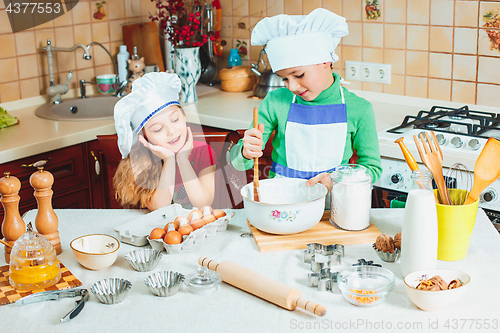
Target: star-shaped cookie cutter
x=323 y=256
x=325 y=280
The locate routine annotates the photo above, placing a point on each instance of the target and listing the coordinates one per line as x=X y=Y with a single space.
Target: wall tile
x=352 y=9
x=355 y=85
x=65 y=61
x=40 y=18
x=373 y=35
x=148 y=7
x=82 y=34
x=116 y=30
x=64 y=37
x=417 y=12
x=237 y=31
x=486 y=94
x=81 y=12
x=63 y=77
x=64 y=20
x=338 y=64
x=486 y=7
x=116 y=8
x=373 y=55
x=440 y=65
x=292 y=7
x=44 y=84
x=394 y=36
x=397 y=60
x=86 y=74
x=28 y=66
x=8 y=68
x=41 y=37
x=442 y=12
x=333 y=6
x=310 y=5
x=394 y=11
x=417 y=37
x=132 y=8
x=30 y=87
x=463 y=92
x=240 y=7
x=397 y=86
x=253 y=23
x=226 y=27
x=100 y=56
x=355 y=35
x=4 y=23
x=466 y=13
x=227 y=7
x=416 y=86
x=100 y=32
x=375 y=87
x=25 y=43
x=115 y=48
x=84 y=63
x=465 y=41
x=106 y=69
x=441 y=39
x=464 y=67
x=439 y=89
x=488 y=70
x=416 y=63
x=8 y=46
x=9 y=92
x=351 y=53
x=485 y=46
x=257 y=8
x=43 y=66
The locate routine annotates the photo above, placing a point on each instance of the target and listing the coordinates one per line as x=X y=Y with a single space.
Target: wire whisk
x=458 y=181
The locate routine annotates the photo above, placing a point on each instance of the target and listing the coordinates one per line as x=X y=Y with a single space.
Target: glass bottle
x=421 y=179
x=234 y=58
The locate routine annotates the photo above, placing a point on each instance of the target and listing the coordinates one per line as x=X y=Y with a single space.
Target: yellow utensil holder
x=455 y=223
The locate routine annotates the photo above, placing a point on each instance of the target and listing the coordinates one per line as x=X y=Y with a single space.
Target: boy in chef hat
x=317 y=122
x=161 y=163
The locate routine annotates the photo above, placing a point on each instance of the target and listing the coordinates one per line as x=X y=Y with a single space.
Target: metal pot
x=268 y=81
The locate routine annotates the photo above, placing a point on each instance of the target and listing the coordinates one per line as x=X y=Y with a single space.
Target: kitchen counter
x=214 y=108
x=230 y=309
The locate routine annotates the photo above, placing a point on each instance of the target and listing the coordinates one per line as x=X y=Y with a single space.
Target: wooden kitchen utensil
x=13 y=225
x=410 y=160
x=46 y=220
x=486 y=169
x=262 y=286
x=6 y=244
x=433 y=160
x=256 y=160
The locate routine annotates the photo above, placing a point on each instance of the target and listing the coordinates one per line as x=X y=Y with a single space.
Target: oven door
x=387 y=198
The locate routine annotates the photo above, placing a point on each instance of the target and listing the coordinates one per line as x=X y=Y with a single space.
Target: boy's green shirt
x=361 y=128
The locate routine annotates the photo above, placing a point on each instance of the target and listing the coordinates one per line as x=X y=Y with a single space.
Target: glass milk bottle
x=419 y=235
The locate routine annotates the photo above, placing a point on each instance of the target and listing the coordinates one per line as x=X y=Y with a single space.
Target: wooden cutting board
x=146 y=37
x=324 y=233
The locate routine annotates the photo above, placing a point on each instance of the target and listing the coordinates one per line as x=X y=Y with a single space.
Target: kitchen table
x=230 y=309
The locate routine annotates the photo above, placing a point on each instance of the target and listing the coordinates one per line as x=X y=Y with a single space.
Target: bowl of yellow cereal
x=366 y=285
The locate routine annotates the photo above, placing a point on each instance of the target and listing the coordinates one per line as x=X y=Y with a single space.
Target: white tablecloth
x=232 y=310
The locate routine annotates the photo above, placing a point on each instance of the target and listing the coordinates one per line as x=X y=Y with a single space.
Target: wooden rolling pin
x=262 y=286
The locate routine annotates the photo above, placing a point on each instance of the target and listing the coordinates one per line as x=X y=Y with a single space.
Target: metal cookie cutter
x=363 y=262
x=324 y=280
x=322 y=256
x=57 y=294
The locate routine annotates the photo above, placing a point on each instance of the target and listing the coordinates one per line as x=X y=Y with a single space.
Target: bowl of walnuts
x=388 y=248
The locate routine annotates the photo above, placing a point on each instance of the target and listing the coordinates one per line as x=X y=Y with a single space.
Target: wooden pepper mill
x=13 y=225
x=46 y=220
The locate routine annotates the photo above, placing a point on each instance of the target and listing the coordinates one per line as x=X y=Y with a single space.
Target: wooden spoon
x=5 y=243
x=486 y=170
x=256 y=160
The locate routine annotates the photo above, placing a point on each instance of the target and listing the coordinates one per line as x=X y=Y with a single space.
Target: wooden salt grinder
x=13 y=225
x=46 y=220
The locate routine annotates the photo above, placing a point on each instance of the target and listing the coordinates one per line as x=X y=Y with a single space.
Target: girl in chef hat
x=161 y=163
x=317 y=123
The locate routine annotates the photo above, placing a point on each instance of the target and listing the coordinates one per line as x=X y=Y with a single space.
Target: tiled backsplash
x=438 y=49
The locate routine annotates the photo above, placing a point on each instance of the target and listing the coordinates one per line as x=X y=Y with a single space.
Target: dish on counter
x=387 y=248
x=287 y=205
x=432 y=300
x=95 y=251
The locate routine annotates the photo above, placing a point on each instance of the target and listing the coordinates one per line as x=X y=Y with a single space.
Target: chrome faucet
x=55 y=91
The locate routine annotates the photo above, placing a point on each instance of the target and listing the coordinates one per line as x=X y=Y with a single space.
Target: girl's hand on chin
x=188 y=146
x=159 y=151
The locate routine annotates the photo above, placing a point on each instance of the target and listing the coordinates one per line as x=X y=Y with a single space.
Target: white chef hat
x=300 y=40
x=150 y=94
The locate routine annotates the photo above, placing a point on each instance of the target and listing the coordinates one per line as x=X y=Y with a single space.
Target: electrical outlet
x=352 y=70
x=368 y=72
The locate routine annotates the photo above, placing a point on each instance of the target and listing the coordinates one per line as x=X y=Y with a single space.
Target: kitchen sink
x=79 y=109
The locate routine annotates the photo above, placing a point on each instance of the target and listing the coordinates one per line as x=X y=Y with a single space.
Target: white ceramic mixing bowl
x=287 y=205
x=95 y=251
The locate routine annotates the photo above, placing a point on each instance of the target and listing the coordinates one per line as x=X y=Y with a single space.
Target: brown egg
x=207 y=210
x=166 y=226
x=218 y=213
x=197 y=224
x=195 y=214
x=177 y=221
x=185 y=229
x=173 y=237
x=157 y=233
x=208 y=218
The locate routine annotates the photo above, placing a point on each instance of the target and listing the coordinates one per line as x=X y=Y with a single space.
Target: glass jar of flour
x=351 y=197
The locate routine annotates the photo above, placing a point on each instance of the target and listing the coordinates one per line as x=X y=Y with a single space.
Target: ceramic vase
x=419 y=235
x=187 y=66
